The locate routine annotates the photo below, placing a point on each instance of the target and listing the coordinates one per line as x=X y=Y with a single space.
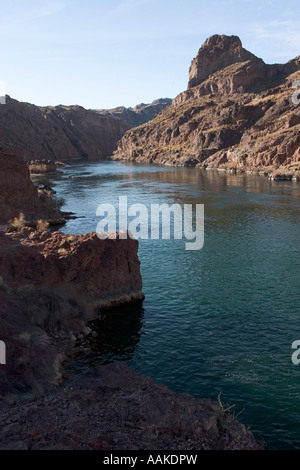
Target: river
x=215 y=321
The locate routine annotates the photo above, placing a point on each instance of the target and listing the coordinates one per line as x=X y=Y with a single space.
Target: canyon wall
x=57 y=132
x=238 y=114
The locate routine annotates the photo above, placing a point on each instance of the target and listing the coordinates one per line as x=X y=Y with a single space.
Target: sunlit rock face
x=238 y=114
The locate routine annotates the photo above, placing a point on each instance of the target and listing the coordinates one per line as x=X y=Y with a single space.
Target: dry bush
x=17 y=223
x=42 y=225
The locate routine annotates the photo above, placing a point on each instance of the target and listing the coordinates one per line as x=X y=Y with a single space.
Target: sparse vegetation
x=42 y=225
x=18 y=223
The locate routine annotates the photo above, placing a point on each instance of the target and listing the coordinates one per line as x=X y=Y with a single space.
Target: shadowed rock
x=50 y=286
x=115 y=408
x=19 y=195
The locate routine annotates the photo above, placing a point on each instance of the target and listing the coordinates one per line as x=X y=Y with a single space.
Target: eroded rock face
x=50 y=286
x=18 y=193
x=57 y=132
x=103 y=271
x=238 y=118
x=217 y=53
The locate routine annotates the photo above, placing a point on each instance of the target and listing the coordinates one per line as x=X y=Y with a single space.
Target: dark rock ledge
x=114 y=408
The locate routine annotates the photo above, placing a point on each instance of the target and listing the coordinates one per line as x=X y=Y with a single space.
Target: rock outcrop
x=217 y=53
x=138 y=115
x=19 y=195
x=57 y=132
x=51 y=285
x=114 y=408
x=238 y=114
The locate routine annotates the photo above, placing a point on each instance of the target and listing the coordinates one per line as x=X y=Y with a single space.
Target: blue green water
x=218 y=320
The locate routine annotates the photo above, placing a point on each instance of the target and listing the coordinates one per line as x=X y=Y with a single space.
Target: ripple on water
x=220 y=320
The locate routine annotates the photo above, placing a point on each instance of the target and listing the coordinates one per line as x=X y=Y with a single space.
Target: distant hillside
x=57 y=132
x=237 y=114
x=138 y=115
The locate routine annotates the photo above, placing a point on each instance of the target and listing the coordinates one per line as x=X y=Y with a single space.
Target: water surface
x=218 y=320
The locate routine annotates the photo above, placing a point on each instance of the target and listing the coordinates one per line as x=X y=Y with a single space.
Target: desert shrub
x=17 y=223
x=42 y=225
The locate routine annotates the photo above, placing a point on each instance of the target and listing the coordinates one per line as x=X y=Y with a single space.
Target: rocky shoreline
x=114 y=408
x=37 y=167
x=18 y=195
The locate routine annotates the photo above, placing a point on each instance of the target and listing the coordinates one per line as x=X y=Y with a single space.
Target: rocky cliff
x=51 y=285
x=57 y=132
x=19 y=195
x=217 y=53
x=138 y=115
x=237 y=114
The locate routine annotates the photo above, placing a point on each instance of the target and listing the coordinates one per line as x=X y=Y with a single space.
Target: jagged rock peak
x=217 y=52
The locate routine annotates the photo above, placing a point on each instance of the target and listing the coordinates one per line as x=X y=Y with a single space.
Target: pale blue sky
x=107 y=53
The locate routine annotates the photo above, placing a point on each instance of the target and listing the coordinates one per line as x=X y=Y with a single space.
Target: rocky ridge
x=236 y=115
x=57 y=133
x=138 y=115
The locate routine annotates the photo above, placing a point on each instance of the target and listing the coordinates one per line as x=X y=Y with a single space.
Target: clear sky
x=108 y=53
